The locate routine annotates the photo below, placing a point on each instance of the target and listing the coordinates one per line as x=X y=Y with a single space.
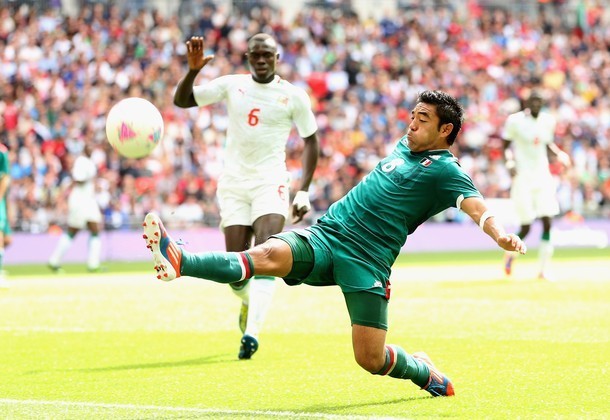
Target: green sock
x=546 y=236
x=400 y=364
x=221 y=267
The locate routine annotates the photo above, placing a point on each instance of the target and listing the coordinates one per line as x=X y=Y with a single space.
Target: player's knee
x=370 y=361
x=266 y=252
x=370 y=364
x=274 y=257
x=525 y=229
x=546 y=224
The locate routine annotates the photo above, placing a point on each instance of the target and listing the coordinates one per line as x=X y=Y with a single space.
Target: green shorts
x=316 y=265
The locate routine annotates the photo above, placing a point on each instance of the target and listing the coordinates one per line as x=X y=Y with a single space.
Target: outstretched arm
x=476 y=208
x=309 y=161
x=562 y=156
x=509 y=157
x=183 y=97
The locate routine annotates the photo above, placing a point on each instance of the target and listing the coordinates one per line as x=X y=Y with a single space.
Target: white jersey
x=83 y=172
x=260 y=119
x=82 y=205
x=530 y=137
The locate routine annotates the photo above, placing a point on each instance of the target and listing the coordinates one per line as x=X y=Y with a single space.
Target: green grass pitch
x=123 y=345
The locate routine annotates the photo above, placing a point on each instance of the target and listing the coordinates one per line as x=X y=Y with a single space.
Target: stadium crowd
x=60 y=74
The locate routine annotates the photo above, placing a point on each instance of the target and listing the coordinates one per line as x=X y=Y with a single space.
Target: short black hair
x=262 y=37
x=448 y=109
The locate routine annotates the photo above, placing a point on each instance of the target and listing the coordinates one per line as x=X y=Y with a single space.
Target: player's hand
x=512 y=242
x=194 y=53
x=300 y=206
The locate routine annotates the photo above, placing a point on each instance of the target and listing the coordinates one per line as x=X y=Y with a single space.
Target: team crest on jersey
x=283 y=100
x=425 y=162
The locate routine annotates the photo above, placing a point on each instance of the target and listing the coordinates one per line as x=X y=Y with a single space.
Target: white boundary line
x=195 y=410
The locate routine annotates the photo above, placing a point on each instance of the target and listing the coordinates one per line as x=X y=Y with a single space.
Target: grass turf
x=122 y=345
x=464 y=257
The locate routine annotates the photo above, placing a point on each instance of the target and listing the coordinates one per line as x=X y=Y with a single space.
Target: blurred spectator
x=189 y=213
x=60 y=74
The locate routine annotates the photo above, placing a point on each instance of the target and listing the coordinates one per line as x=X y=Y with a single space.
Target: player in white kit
x=253 y=190
x=83 y=212
x=528 y=136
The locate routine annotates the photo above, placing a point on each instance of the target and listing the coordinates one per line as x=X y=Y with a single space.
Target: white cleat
x=166 y=253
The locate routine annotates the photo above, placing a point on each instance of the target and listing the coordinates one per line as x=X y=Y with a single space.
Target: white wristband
x=486 y=215
x=301 y=200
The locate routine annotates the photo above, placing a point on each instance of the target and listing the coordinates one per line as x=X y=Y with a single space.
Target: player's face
x=424 y=132
x=262 y=58
x=535 y=105
x=88 y=149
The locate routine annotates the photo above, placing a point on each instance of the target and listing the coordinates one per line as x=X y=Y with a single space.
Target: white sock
x=62 y=246
x=95 y=249
x=261 y=295
x=243 y=293
x=545 y=253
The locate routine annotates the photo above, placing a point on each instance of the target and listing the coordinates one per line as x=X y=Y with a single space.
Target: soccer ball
x=134 y=127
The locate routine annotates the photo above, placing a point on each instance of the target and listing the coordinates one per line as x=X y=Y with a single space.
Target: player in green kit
x=355 y=244
x=5 y=230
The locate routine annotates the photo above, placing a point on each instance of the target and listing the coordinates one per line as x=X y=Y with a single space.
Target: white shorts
x=81 y=211
x=534 y=198
x=241 y=203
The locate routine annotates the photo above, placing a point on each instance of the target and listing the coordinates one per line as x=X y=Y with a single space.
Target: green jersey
x=4 y=162
x=405 y=189
x=4 y=171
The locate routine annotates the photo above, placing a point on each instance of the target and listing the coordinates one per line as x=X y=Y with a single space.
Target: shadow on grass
x=217 y=359
x=378 y=403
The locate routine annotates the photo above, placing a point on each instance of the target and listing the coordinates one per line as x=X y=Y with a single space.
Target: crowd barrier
x=128 y=245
